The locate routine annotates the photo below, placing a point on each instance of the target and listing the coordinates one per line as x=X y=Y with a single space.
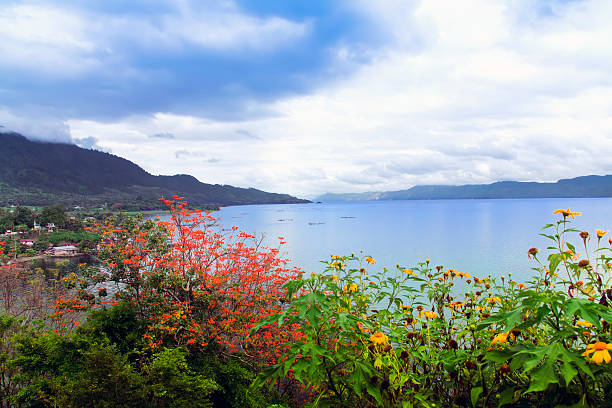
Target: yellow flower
x=569 y=254
x=428 y=314
x=350 y=288
x=463 y=275
x=336 y=257
x=600 y=233
x=599 y=351
x=379 y=338
x=493 y=300
x=500 y=338
x=566 y=213
x=456 y=304
x=405 y=307
x=370 y=260
x=584 y=323
x=334 y=277
x=409 y=272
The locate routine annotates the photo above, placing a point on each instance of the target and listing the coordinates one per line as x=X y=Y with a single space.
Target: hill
x=585 y=186
x=39 y=173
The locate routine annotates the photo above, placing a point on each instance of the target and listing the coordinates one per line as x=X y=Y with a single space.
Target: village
x=48 y=232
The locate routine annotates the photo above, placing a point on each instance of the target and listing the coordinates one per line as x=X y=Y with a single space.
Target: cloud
x=90 y=143
x=186 y=153
x=165 y=135
x=96 y=61
x=332 y=96
x=246 y=134
x=40 y=128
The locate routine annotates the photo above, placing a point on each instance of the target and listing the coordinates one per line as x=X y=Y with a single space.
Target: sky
x=313 y=96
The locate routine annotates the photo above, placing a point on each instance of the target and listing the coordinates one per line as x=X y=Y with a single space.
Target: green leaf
x=542 y=377
x=293 y=286
x=266 y=321
x=506 y=396
x=554 y=261
x=374 y=391
x=588 y=310
x=568 y=372
x=510 y=319
x=474 y=394
x=498 y=356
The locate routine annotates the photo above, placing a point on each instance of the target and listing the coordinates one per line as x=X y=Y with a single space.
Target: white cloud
x=227 y=28
x=41 y=128
x=58 y=41
x=48 y=40
x=463 y=92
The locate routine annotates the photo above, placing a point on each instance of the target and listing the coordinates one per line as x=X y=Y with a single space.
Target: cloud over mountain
x=361 y=95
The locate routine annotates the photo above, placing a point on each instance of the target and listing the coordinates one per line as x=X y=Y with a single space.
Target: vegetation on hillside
x=37 y=173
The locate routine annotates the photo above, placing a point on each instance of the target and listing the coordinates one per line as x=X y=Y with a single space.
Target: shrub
x=432 y=336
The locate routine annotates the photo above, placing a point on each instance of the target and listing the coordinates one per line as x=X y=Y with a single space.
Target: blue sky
x=308 y=97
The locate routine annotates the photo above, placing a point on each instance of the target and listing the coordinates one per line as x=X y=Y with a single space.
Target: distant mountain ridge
x=584 y=186
x=42 y=173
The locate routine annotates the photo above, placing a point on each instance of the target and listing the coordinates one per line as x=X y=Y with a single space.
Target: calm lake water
x=477 y=236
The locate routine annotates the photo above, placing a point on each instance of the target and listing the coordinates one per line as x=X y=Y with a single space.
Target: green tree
x=7 y=220
x=53 y=215
x=25 y=216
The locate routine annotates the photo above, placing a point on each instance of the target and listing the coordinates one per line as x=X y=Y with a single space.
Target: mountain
x=585 y=186
x=39 y=173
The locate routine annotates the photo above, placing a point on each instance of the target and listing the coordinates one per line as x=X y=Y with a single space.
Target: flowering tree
x=197 y=285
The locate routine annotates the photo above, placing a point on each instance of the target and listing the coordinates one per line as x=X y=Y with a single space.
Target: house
x=29 y=242
x=66 y=250
x=36 y=226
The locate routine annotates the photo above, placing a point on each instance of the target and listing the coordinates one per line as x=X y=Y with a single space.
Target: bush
x=432 y=336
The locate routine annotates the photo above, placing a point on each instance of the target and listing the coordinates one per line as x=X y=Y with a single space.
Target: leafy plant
x=432 y=336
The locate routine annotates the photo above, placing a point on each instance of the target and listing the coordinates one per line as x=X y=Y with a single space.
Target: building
x=66 y=250
x=29 y=242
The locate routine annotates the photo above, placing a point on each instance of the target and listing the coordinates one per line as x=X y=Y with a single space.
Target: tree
x=7 y=220
x=205 y=289
x=53 y=215
x=25 y=216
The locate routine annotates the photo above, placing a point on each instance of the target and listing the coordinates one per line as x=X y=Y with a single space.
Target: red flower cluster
x=198 y=285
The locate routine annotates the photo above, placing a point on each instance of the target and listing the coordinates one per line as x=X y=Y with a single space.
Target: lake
x=477 y=236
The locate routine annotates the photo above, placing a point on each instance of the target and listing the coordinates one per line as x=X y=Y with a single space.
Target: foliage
x=431 y=336
x=196 y=286
x=83 y=238
x=87 y=369
x=53 y=215
x=105 y=363
x=131 y=354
